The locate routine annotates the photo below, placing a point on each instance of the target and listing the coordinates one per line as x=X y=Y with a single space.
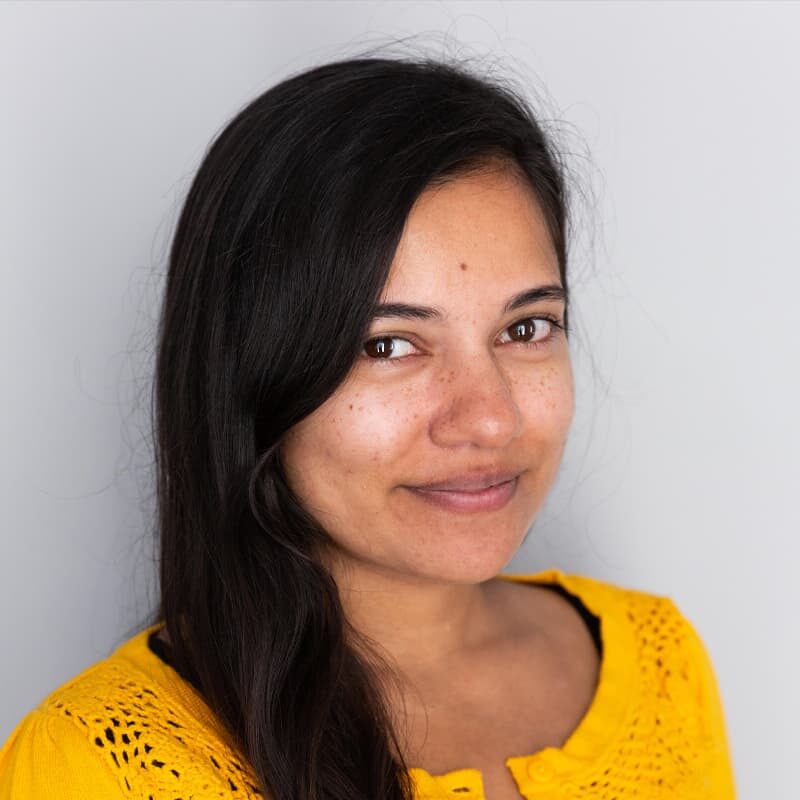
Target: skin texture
x=459 y=395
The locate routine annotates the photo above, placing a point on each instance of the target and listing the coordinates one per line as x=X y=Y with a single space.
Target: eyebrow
x=405 y=311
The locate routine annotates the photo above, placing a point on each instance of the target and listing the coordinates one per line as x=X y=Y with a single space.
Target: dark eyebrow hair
x=405 y=311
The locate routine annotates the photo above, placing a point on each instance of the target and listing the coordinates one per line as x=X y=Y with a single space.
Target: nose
x=477 y=405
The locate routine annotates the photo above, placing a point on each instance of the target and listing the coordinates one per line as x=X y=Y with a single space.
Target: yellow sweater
x=130 y=727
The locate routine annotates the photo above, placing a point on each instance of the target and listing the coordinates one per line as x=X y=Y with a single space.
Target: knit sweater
x=130 y=727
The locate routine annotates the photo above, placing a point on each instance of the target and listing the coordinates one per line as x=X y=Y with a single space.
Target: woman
x=363 y=392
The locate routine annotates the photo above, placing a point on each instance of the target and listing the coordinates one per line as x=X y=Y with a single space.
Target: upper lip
x=471 y=481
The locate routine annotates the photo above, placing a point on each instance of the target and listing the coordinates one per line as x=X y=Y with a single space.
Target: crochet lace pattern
x=646 y=734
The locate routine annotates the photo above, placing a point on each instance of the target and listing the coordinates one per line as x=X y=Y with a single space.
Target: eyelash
x=556 y=327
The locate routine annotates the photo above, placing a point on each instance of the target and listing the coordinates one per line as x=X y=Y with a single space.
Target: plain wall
x=681 y=473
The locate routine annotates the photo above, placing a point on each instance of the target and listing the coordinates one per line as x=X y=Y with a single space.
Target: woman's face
x=471 y=389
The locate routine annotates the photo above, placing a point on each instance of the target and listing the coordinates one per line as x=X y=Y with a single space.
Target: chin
x=468 y=568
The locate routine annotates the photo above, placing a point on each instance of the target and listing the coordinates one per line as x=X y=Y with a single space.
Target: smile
x=492 y=498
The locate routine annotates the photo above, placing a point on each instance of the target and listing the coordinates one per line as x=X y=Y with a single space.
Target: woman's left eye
x=532 y=327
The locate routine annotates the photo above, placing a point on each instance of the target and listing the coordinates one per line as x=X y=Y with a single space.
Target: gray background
x=681 y=474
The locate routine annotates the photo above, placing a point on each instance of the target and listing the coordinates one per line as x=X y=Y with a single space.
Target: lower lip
x=491 y=499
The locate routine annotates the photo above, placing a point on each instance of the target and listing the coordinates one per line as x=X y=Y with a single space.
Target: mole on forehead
x=463 y=265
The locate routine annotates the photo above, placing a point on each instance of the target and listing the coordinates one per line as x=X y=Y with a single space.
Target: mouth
x=488 y=498
x=471 y=481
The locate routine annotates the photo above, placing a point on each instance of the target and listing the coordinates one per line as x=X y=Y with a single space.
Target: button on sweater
x=130 y=726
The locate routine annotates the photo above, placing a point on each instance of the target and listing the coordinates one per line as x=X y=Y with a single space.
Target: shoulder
x=597 y=591
x=45 y=756
x=667 y=658
x=654 y=618
x=648 y=639
x=672 y=678
x=127 y=723
x=643 y=612
x=656 y=622
x=49 y=755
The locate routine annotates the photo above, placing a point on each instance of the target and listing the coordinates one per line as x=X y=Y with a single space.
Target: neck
x=421 y=625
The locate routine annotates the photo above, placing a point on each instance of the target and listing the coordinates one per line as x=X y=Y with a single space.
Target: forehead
x=478 y=231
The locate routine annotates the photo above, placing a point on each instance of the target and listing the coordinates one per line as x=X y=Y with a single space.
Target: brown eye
x=533 y=332
x=382 y=348
x=526 y=329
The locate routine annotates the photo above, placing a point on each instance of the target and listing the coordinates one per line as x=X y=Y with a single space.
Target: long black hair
x=281 y=250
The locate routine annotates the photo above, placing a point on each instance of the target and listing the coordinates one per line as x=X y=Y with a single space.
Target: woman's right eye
x=382 y=348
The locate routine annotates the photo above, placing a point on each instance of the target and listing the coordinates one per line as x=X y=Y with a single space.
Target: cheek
x=375 y=426
x=355 y=434
x=547 y=401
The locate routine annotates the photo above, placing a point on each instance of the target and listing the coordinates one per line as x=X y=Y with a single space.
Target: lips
x=491 y=498
x=470 y=482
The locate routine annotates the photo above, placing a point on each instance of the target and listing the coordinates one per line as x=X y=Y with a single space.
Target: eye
x=381 y=348
x=541 y=330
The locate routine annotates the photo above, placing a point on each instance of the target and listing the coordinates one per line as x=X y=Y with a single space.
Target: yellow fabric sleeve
x=46 y=756
x=720 y=778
